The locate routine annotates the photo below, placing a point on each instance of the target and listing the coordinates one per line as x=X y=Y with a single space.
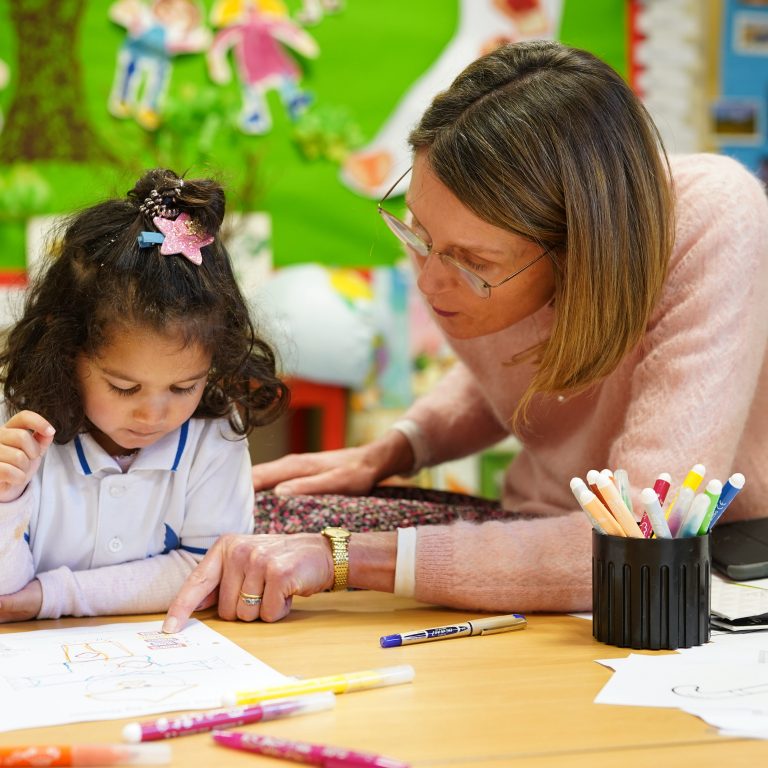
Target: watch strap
x=339 y=541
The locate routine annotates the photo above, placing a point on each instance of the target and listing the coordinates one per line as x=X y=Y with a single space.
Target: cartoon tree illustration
x=47 y=120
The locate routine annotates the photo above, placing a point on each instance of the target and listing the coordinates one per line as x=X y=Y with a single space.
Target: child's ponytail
x=160 y=192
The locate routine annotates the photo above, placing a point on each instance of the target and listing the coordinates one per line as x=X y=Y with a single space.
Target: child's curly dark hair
x=97 y=279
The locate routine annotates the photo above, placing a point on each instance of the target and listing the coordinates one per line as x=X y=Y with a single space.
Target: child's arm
x=24 y=439
x=219 y=500
x=16 y=565
x=139 y=586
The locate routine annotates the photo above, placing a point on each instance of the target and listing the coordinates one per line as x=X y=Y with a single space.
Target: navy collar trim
x=183 y=434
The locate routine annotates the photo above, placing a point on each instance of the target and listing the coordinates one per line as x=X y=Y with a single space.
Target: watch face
x=339 y=533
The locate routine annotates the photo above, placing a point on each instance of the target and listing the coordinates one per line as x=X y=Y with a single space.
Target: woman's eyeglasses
x=418 y=245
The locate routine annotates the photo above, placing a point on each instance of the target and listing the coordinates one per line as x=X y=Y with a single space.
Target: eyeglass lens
x=410 y=239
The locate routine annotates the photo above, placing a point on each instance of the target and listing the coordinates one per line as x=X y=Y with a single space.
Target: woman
x=604 y=304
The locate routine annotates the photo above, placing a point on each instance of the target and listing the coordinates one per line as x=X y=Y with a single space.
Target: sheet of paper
x=681 y=681
x=724 y=682
x=738 y=723
x=56 y=676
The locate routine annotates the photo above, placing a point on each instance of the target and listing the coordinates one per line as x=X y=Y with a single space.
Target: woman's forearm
x=392 y=454
x=372 y=558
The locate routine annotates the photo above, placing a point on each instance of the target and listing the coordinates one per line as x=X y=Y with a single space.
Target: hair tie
x=163 y=205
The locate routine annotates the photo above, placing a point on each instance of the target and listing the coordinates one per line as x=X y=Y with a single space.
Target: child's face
x=141 y=386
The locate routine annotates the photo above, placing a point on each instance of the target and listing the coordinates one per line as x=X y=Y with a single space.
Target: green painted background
x=370 y=53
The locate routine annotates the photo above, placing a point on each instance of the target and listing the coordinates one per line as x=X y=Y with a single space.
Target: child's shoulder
x=213 y=430
x=210 y=442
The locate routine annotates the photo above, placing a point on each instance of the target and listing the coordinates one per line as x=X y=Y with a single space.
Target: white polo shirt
x=103 y=541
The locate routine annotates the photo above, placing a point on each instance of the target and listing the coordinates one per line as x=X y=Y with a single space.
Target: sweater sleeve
x=16 y=565
x=454 y=419
x=141 y=586
x=507 y=566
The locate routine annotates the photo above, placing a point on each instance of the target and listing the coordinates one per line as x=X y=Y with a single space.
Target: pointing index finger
x=199 y=584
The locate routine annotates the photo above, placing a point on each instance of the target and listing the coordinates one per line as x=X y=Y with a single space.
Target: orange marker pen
x=618 y=507
x=85 y=754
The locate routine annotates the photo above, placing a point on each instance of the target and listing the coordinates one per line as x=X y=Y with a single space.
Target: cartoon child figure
x=156 y=32
x=258 y=30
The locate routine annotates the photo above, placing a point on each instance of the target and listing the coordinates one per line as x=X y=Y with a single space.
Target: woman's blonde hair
x=548 y=142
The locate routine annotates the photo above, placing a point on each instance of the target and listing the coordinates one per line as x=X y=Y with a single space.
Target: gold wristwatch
x=339 y=540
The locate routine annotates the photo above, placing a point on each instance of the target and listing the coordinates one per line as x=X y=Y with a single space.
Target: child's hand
x=22 y=605
x=23 y=441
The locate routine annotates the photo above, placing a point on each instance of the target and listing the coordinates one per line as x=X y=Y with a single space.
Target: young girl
x=131 y=381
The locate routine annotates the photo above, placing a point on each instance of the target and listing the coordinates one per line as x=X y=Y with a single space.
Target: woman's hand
x=275 y=567
x=22 y=605
x=24 y=439
x=350 y=471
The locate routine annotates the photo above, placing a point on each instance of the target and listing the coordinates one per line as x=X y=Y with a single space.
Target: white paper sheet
x=724 y=682
x=681 y=681
x=56 y=676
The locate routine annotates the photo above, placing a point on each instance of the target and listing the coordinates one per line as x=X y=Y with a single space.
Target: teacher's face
x=452 y=230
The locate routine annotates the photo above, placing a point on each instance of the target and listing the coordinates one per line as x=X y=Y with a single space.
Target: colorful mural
x=283 y=100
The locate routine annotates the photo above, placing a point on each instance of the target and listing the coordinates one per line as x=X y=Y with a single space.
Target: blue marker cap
x=391 y=641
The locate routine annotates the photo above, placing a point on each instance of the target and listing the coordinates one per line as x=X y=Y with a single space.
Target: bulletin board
x=738 y=112
x=94 y=91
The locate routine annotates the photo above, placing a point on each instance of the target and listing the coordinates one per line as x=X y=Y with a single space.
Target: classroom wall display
x=301 y=107
x=668 y=69
x=738 y=110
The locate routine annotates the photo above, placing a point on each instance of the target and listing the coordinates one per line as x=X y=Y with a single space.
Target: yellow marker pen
x=346 y=683
x=692 y=481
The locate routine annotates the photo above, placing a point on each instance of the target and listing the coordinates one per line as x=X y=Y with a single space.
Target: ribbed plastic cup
x=650 y=593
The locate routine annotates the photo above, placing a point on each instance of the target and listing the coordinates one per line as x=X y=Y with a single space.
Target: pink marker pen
x=197 y=722
x=303 y=752
x=661 y=487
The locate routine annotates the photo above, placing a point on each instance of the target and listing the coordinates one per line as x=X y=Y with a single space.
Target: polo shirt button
x=115 y=545
x=117 y=490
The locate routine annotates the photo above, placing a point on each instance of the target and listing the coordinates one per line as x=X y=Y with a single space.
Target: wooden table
x=516 y=699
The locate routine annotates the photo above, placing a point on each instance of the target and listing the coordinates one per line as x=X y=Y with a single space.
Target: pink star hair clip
x=184 y=236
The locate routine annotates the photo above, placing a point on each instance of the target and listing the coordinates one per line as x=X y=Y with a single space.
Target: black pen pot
x=650 y=593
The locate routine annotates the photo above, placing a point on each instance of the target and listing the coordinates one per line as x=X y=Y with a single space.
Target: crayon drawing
x=50 y=677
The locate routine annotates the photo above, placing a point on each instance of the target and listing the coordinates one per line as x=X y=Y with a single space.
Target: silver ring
x=250 y=599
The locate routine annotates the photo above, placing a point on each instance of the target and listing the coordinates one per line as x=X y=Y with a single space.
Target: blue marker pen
x=490 y=626
x=734 y=484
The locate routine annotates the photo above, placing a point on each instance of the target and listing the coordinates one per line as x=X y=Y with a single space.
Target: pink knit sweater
x=695 y=390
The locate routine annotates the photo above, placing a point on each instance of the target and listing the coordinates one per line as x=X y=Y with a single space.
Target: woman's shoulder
x=707 y=180
x=718 y=204
x=721 y=221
